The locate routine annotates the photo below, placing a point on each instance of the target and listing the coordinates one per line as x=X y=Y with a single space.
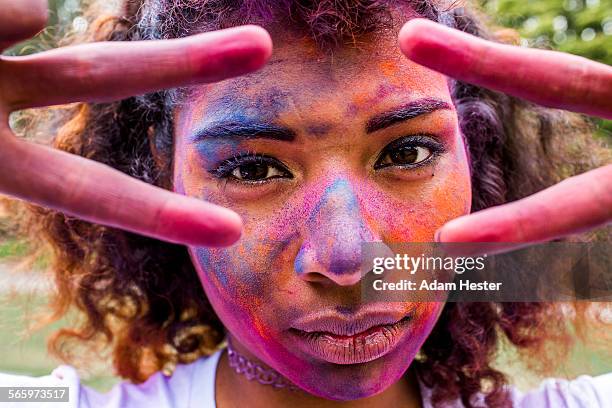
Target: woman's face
x=319 y=154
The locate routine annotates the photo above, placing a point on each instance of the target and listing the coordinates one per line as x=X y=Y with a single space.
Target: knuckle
x=602 y=190
x=521 y=226
x=81 y=71
x=583 y=81
x=587 y=81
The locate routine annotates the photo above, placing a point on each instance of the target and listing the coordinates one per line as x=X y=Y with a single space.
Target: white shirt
x=193 y=386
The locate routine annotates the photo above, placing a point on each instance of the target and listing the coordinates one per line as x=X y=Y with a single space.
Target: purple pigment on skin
x=319 y=129
x=337 y=210
x=301 y=245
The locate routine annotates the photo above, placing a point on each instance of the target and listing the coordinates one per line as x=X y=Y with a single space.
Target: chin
x=347 y=382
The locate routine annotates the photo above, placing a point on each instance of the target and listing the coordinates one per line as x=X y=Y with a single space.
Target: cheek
x=412 y=212
x=234 y=286
x=229 y=275
x=243 y=280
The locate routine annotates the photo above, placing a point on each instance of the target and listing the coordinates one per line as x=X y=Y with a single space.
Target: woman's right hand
x=108 y=71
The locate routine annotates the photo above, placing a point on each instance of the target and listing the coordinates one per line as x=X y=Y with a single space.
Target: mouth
x=336 y=339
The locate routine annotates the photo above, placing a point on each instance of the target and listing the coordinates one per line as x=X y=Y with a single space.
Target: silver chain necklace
x=254 y=371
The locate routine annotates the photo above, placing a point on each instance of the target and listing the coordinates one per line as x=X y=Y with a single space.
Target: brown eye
x=410 y=152
x=255 y=172
x=251 y=168
x=406 y=156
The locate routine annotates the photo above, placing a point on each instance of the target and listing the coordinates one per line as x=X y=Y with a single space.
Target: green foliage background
x=581 y=27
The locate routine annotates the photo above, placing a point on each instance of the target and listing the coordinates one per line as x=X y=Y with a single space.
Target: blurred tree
x=581 y=27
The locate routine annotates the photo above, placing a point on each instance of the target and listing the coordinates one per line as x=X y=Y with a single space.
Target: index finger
x=575 y=205
x=549 y=78
x=97 y=193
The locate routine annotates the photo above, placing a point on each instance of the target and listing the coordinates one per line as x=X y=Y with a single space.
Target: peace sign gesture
x=549 y=78
x=109 y=71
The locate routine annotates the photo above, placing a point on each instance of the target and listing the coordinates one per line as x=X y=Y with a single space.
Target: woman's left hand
x=549 y=78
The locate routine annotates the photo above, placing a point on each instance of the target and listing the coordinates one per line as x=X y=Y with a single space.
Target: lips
x=339 y=339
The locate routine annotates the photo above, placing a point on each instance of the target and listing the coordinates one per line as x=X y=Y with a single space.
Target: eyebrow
x=245 y=130
x=406 y=112
x=257 y=130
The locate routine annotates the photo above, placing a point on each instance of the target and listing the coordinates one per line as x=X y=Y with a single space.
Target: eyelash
x=436 y=148
x=226 y=167
x=224 y=170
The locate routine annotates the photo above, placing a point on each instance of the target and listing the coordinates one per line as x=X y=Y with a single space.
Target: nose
x=331 y=251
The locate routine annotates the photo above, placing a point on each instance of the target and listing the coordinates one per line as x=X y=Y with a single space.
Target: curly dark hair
x=142 y=297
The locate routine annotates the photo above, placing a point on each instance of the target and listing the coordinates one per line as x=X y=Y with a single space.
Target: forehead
x=301 y=82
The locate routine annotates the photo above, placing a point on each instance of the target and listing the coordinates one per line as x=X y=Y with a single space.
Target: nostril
x=346 y=279
x=315 y=277
x=330 y=265
x=327 y=278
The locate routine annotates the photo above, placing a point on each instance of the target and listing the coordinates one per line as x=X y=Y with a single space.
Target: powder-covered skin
x=301 y=247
